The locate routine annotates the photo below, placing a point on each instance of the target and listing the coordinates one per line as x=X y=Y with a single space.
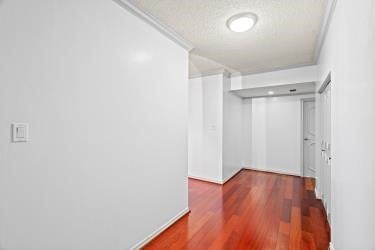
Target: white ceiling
x=286 y=34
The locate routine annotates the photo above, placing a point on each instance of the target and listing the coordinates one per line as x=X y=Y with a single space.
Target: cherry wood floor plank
x=253 y=210
x=282 y=242
x=295 y=229
x=284 y=228
x=222 y=238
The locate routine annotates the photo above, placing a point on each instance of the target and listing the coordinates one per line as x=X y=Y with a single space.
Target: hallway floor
x=253 y=210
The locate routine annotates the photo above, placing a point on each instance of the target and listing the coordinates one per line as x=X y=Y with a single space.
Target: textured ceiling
x=285 y=35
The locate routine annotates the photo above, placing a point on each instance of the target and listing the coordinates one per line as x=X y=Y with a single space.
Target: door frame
x=327 y=204
x=302 y=155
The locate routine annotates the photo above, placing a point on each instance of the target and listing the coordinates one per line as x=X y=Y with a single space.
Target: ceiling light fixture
x=271 y=92
x=242 y=22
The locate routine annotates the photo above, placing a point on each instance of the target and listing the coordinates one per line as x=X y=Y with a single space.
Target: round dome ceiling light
x=242 y=22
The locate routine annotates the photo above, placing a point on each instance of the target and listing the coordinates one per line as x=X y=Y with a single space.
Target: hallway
x=253 y=210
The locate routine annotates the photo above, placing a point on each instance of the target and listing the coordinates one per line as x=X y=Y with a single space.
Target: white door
x=309 y=139
x=325 y=146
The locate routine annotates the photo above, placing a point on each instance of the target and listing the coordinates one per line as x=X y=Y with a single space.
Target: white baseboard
x=221 y=182
x=232 y=175
x=272 y=171
x=158 y=231
x=317 y=195
x=206 y=179
x=331 y=246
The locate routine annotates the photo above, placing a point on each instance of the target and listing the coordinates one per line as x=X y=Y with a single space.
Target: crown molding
x=330 y=9
x=153 y=21
x=223 y=72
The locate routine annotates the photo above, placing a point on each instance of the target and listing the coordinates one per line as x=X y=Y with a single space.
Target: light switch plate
x=20 y=132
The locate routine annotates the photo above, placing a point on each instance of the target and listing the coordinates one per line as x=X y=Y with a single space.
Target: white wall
x=106 y=99
x=232 y=131
x=276 y=134
x=349 y=54
x=280 y=77
x=246 y=131
x=215 y=129
x=205 y=127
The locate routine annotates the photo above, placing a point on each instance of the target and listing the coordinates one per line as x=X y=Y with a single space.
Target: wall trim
x=161 y=229
x=317 y=195
x=272 y=171
x=154 y=22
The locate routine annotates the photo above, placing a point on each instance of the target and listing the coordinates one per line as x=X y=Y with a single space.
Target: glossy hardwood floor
x=254 y=210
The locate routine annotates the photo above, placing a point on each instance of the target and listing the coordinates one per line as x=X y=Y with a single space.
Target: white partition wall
x=205 y=128
x=105 y=97
x=215 y=129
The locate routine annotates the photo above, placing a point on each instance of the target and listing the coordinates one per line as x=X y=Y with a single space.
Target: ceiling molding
x=223 y=72
x=331 y=6
x=150 y=19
